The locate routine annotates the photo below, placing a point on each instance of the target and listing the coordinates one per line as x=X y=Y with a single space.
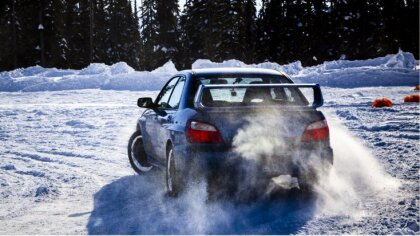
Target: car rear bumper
x=224 y=161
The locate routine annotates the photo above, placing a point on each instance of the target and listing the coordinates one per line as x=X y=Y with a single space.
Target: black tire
x=173 y=185
x=137 y=155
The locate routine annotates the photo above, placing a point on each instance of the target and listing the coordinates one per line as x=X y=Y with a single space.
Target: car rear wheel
x=172 y=180
x=137 y=155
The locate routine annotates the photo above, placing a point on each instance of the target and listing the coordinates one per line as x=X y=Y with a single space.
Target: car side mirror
x=145 y=102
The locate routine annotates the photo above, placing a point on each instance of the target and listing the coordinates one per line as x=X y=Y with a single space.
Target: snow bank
x=400 y=69
x=119 y=76
x=290 y=69
x=168 y=67
x=392 y=70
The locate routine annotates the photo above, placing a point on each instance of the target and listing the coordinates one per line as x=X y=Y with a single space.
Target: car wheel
x=172 y=181
x=137 y=155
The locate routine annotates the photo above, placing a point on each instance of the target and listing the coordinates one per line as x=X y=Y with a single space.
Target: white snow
x=392 y=70
x=168 y=67
x=119 y=76
x=65 y=170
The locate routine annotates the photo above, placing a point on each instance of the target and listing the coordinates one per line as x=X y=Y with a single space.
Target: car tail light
x=199 y=132
x=316 y=131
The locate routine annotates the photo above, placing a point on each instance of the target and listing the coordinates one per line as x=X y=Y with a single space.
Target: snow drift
x=393 y=70
x=119 y=76
x=400 y=69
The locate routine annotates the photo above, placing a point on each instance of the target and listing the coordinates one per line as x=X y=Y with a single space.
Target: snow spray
x=144 y=208
x=356 y=175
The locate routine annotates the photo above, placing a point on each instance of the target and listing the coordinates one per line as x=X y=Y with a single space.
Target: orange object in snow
x=382 y=102
x=412 y=98
x=417 y=87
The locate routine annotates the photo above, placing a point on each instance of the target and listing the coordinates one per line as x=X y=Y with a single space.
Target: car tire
x=173 y=185
x=137 y=155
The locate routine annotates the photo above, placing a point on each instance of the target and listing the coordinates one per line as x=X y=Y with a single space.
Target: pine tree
x=27 y=22
x=192 y=46
x=410 y=41
x=313 y=26
x=132 y=45
x=372 y=22
x=262 y=30
x=76 y=35
x=13 y=33
x=240 y=41
x=101 y=37
x=248 y=31
x=123 y=31
x=167 y=42
x=273 y=31
x=220 y=32
x=8 y=35
x=330 y=35
x=149 y=34
x=400 y=26
x=341 y=26
x=55 y=42
x=207 y=30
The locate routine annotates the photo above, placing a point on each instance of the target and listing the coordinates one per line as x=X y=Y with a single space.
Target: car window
x=231 y=96
x=285 y=94
x=176 y=94
x=163 y=98
x=251 y=95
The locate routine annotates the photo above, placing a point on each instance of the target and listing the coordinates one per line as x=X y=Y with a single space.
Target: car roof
x=234 y=71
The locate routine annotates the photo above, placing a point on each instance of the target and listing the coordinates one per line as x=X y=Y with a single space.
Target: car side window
x=176 y=94
x=163 y=98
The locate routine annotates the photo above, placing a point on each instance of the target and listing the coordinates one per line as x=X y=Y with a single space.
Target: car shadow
x=139 y=205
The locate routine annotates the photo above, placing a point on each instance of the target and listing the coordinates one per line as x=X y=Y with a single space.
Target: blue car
x=201 y=125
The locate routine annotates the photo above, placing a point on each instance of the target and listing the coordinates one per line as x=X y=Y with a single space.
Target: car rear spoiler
x=318 y=99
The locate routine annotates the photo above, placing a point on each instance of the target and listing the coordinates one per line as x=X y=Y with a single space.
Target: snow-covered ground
x=64 y=167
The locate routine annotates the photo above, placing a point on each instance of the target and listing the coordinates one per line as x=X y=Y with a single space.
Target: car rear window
x=251 y=95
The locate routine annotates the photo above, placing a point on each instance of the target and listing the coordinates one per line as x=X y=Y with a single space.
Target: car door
x=151 y=130
x=165 y=119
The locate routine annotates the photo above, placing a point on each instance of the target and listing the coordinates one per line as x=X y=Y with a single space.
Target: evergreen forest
x=146 y=34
